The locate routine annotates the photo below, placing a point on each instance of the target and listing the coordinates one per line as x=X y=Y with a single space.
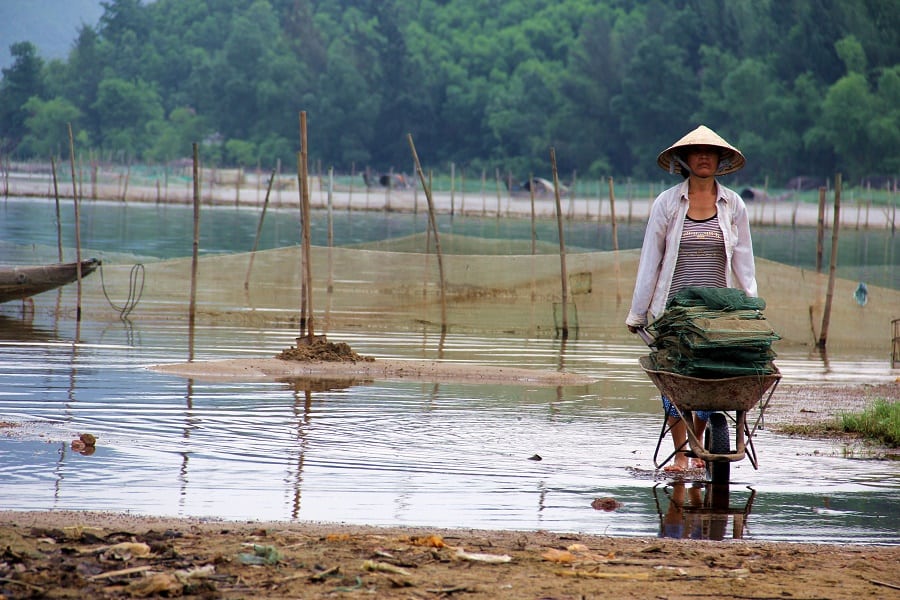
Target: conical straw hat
x=730 y=159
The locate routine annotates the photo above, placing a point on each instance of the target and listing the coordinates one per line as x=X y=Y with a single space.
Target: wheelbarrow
x=737 y=395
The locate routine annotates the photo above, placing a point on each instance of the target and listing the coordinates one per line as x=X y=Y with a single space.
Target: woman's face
x=702 y=160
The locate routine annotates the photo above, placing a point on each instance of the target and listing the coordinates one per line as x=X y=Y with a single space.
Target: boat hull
x=17 y=282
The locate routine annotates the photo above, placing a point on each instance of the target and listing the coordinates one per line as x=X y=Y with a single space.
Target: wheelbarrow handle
x=645 y=335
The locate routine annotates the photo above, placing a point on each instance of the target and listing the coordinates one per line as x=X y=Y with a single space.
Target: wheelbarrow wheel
x=718 y=442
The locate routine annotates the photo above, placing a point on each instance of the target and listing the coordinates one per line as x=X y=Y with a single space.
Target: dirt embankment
x=90 y=555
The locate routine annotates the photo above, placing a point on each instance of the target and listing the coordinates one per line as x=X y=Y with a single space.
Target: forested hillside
x=803 y=87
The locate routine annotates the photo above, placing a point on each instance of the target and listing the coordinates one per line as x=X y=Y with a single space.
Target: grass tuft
x=881 y=422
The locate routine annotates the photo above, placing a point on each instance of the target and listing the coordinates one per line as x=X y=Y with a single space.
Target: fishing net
x=713 y=333
x=492 y=287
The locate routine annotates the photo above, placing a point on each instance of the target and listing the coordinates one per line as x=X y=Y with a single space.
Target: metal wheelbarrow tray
x=735 y=394
x=693 y=393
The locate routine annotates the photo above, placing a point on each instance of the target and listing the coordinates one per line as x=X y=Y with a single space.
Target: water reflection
x=700 y=510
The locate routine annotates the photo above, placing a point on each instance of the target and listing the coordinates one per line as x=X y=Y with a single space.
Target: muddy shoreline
x=100 y=555
x=77 y=554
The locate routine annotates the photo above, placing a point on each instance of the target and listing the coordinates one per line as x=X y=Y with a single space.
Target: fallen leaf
x=154 y=585
x=431 y=541
x=559 y=556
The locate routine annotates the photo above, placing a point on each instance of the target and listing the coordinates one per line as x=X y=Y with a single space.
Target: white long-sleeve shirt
x=660 y=249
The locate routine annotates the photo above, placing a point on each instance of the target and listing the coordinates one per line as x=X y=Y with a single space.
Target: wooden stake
x=452 y=189
x=820 y=230
x=77 y=223
x=304 y=196
x=433 y=223
x=195 y=249
x=823 y=336
x=562 y=248
x=58 y=222
x=612 y=215
x=330 y=288
x=533 y=227
x=262 y=217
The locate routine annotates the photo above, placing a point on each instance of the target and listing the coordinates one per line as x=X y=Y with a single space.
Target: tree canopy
x=803 y=87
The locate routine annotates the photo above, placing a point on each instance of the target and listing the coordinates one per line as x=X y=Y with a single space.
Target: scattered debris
x=261 y=555
x=86 y=444
x=607 y=504
x=482 y=557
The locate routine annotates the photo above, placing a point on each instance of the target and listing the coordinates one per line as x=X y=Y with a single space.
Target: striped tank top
x=701 y=256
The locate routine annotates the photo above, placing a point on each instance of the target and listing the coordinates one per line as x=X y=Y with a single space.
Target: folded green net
x=714 y=333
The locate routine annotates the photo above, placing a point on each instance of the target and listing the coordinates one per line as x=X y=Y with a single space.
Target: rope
x=135 y=290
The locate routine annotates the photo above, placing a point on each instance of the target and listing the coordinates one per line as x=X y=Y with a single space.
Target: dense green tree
x=658 y=100
x=127 y=108
x=21 y=82
x=174 y=137
x=804 y=87
x=47 y=126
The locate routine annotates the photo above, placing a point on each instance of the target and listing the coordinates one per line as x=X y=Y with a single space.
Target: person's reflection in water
x=700 y=510
x=678 y=522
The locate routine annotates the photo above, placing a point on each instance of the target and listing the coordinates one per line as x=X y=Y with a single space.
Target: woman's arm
x=649 y=266
x=743 y=264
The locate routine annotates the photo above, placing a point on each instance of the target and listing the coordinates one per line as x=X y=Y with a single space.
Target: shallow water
x=390 y=453
x=385 y=453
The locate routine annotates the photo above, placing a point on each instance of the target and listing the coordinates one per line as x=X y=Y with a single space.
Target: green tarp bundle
x=712 y=333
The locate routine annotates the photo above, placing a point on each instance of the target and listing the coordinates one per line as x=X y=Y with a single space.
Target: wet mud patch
x=321 y=349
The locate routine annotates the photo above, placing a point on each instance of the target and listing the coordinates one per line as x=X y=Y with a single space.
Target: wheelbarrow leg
x=666 y=429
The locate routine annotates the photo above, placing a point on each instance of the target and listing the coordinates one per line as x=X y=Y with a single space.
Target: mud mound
x=322 y=350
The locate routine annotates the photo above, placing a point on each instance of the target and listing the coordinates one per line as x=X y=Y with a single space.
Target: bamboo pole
x=497 y=178
x=259 y=225
x=533 y=226
x=195 y=249
x=350 y=191
x=77 y=224
x=127 y=179
x=432 y=222
x=483 y=196
x=820 y=230
x=452 y=189
x=562 y=248
x=304 y=197
x=330 y=288
x=462 y=191
x=237 y=186
x=826 y=317
x=612 y=215
x=59 y=244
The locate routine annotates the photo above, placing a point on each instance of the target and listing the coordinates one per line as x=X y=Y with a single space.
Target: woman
x=698 y=234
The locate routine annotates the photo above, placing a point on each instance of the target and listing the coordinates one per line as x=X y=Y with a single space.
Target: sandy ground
x=262 y=369
x=91 y=555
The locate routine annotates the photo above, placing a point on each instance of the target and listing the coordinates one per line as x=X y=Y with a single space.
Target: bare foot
x=674 y=468
x=697 y=463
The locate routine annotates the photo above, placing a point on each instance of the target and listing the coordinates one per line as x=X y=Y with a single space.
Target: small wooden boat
x=17 y=282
